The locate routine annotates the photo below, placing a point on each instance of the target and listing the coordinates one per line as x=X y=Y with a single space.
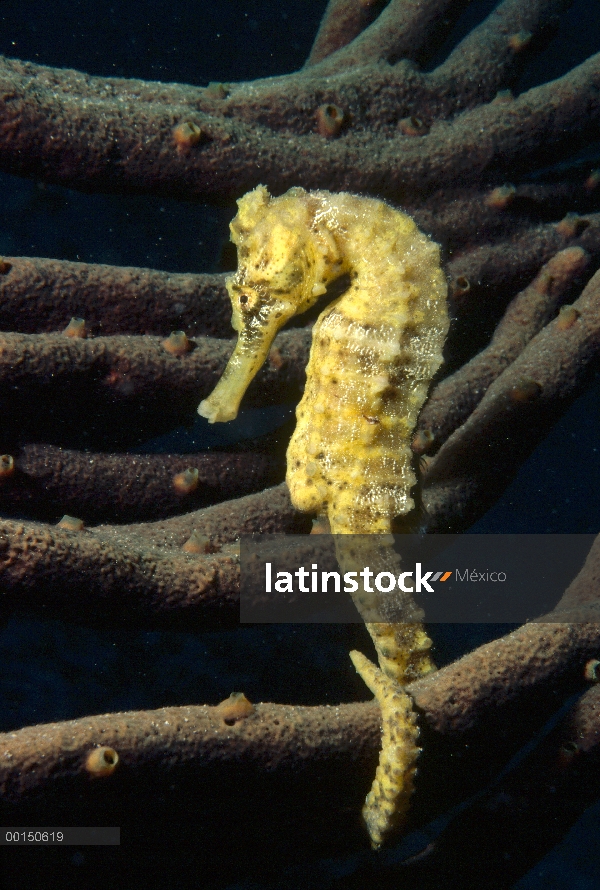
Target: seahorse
x=375 y=350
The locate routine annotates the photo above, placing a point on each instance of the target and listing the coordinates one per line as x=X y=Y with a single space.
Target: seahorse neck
x=358 y=236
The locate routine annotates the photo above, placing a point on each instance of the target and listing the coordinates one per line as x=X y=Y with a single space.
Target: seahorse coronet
x=375 y=349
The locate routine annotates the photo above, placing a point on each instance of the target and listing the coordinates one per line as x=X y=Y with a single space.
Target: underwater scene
x=320 y=282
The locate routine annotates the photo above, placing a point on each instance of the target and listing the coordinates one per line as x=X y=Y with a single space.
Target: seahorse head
x=285 y=261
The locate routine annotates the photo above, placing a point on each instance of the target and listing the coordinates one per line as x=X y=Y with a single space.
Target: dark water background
x=51 y=671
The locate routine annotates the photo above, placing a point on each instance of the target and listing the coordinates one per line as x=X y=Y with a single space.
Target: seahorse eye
x=243 y=299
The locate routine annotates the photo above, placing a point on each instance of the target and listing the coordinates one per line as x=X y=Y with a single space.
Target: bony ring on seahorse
x=374 y=352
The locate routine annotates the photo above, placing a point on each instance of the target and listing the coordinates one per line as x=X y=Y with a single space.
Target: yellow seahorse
x=374 y=352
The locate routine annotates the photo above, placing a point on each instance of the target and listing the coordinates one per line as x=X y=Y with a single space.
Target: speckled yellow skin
x=375 y=350
x=388 y=800
x=285 y=261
